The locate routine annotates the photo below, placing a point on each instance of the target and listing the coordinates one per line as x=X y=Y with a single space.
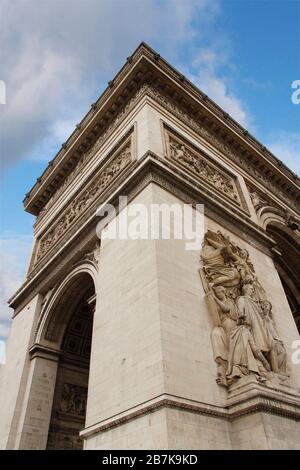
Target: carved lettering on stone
x=244 y=338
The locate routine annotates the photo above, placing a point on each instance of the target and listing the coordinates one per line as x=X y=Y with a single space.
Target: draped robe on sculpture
x=245 y=339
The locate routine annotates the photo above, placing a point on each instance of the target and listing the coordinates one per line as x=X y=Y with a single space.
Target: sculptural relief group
x=244 y=338
x=203 y=168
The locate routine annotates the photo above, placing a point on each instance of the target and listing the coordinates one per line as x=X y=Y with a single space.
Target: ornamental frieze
x=193 y=160
x=245 y=339
x=83 y=201
x=201 y=129
x=96 y=146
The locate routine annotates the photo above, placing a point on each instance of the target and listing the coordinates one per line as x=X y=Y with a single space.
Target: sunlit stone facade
x=113 y=342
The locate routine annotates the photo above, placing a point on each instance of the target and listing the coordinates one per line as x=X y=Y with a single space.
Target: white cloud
x=57 y=58
x=286 y=147
x=207 y=65
x=59 y=53
x=217 y=89
x=14 y=254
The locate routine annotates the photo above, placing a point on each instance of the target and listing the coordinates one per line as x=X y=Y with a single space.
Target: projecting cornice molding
x=251 y=398
x=130 y=182
x=145 y=66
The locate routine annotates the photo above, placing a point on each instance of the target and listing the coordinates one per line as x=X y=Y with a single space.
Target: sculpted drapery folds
x=244 y=338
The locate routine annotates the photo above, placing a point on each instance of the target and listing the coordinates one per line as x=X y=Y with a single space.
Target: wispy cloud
x=251 y=82
x=59 y=54
x=286 y=146
x=217 y=89
x=207 y=72
x=57 y=58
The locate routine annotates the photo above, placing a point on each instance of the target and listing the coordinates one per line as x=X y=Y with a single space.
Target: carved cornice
x=94 y=148
x=44 y=352
x=116 y=162
x=151 y=168
x=261 y=402
x=69 y=161
x=145 y=65
x=237 y=154
x=200 y=164
x=156 y=405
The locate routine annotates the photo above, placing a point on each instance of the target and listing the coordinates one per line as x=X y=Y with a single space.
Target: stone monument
x=142 y=344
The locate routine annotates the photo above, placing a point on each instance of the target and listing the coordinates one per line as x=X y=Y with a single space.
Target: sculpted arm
x=224 y=306
x=215 y=244
x=230 y=253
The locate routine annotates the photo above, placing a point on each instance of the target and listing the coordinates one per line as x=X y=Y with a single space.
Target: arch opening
x=288 y=265
x=74 y=324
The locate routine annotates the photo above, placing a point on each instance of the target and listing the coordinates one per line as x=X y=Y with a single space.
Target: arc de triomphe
x=141 y=343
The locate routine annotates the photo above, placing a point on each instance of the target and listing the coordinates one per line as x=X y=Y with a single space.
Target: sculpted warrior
x=220 y=334
x=244 y=337
x=248 y=341
x=241 y=260
x=213 y=254
x=278 y=356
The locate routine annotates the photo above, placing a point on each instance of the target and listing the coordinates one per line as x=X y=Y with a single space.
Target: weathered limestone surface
x=146 y=432
x=161 y=341
x=126 y=362
x=14 y=373
x=262 y=431
x=34 y=422
x=156 y=139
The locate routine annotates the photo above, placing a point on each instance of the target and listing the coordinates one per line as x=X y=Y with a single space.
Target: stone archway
x=60 y=360
x=287 y=264
x=70 y=394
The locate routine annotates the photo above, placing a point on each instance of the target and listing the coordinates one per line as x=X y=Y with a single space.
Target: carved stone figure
x=278 y=353
x=248 y=341
x=73 y=399
x=257 y=201
x=200 y=165
x=220 y=334
x=292 y=222
x=214 y=254
x=94 y=254
x=244 y=337
x=234 y=155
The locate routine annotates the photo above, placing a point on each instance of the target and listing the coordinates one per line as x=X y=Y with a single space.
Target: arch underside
x=288 y=265
x=70 y=329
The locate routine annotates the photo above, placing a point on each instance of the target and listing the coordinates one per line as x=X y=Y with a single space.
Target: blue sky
x=57 y=56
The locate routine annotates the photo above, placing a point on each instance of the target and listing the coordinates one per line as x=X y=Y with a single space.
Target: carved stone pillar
x=33 y=427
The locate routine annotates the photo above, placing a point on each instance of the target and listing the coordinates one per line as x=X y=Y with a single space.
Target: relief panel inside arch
x=70 y=397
